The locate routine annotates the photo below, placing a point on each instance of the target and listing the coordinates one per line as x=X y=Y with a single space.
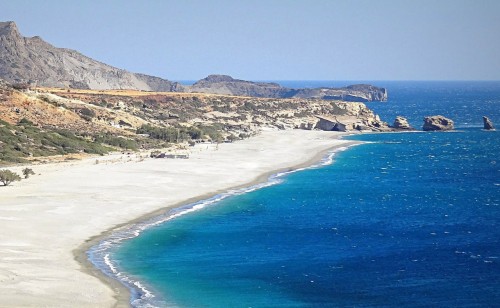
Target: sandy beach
x=49 y=220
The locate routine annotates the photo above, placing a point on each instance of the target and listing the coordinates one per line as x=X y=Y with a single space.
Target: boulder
x=488 y=125
x=401 y=123
x=437 y=123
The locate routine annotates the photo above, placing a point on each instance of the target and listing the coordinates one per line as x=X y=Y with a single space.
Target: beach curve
x=83 y=202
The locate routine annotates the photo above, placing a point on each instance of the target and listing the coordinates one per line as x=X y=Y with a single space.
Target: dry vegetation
x=52 y=121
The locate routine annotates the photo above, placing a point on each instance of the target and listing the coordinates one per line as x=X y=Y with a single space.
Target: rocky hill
x=222 y=84
x=32 y=60
x=226 y=85
x=49 y=121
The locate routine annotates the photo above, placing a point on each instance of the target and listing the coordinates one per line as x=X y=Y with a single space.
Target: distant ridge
x=223 y=84
x=34 y=61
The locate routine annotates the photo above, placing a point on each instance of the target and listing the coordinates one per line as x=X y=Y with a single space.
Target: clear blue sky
x=275 y=39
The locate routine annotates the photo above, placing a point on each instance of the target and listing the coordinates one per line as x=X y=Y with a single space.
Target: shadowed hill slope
x=32 y=60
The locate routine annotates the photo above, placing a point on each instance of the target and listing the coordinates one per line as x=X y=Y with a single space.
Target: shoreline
x=123 y=294
x=74 y=206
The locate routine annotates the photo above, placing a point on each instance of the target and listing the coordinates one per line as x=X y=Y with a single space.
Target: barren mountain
x=32 y=60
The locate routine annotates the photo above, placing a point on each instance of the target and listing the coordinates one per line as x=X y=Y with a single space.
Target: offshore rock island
x=437 y=123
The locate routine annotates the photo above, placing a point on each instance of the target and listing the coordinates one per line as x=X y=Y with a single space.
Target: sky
x=275 y=39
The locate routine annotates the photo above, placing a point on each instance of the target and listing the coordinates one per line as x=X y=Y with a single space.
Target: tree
x=7 y=177
x=27 y=172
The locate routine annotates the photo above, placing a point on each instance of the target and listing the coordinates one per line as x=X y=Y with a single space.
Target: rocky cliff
x=222 y=84
x=32 y=60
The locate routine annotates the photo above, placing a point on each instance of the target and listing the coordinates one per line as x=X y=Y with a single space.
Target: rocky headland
x=223 y=84
x=437 y=123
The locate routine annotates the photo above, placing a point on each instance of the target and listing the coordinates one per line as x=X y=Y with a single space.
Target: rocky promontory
x=437 y=123
x=488 y=125
x=227 y=85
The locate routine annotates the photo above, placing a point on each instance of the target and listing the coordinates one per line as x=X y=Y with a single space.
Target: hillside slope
x=48 y=121
x=32 y=60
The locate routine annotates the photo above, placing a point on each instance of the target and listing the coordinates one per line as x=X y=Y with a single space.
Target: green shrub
x=120 y=142
x=25 y=121
x=7 y=177
x=27 y=172
x=32 y=141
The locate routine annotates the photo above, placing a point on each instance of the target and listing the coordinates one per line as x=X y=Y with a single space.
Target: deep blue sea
x=406 y=219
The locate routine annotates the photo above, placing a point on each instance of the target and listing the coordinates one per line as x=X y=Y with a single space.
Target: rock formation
x=488 y=125
x=437 y=123
x=401 y=123
x=226 y=85
x=32 y=60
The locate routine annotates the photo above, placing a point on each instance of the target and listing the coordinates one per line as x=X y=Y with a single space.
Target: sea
x=403 y=219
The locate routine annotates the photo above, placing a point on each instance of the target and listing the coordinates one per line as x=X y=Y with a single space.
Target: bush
x=25 y=121
x=117 y=142
x=27 y=172
x=21 y=86
x=7 y=177
x=169 y=134
x=232 y=138
x=87 y=114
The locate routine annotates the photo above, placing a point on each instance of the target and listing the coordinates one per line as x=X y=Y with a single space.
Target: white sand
x=46 y=218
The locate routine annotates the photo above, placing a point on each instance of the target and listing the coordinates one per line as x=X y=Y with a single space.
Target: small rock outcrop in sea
x=401 y=123
x=437 y=122
x=488 y=125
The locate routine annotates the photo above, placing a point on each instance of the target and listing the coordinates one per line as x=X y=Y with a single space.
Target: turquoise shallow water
x=406 y=219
